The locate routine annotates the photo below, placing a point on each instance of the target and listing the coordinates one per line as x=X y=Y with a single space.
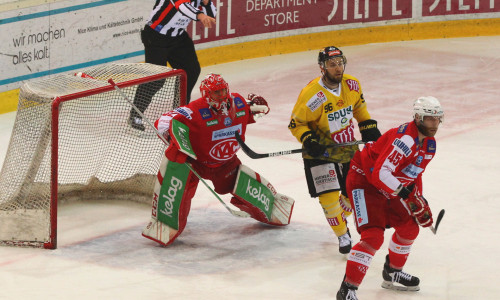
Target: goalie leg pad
x=255 y=195
x=174 y=188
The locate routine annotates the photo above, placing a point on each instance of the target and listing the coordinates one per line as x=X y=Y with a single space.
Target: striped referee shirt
x=171 y=17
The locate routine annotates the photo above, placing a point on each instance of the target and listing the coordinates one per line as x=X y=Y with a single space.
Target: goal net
x=72 y=140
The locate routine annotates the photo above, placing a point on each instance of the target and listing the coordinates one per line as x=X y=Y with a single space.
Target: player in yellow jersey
x=324 y=115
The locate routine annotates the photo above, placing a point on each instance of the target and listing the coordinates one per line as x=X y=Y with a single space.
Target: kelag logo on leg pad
x=256 y=193
x=171 y=194
x=169 y=197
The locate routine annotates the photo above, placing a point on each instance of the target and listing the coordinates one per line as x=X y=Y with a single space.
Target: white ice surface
x=102 y=255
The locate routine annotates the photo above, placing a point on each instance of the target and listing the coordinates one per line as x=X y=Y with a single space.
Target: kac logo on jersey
x=224 y=150
x=419 y=160
x=228 y=121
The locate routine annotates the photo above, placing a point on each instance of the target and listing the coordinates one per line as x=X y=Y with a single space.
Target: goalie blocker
x=176 y=185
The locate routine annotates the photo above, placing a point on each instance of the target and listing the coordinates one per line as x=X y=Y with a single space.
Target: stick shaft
x=252 y=154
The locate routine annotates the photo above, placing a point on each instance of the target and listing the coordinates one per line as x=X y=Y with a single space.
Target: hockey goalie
x=202 y=134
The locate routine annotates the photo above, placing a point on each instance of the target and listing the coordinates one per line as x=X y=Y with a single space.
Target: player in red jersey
x=202 y=134
x=384 y=185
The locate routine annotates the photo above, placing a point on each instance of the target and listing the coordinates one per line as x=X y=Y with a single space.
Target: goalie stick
x=252 y=154
x=438 y=220
x=237 y=213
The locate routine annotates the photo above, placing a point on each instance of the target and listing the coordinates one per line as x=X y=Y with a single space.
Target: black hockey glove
x=311 y=144
x=369 y=131
x=404 y=191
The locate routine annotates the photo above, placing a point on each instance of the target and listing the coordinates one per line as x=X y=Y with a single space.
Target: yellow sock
x=334 y=213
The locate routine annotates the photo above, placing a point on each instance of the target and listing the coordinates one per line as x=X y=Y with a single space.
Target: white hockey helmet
x=427 y=106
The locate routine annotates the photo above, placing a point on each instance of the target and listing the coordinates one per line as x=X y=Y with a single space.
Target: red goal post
x=71 y=140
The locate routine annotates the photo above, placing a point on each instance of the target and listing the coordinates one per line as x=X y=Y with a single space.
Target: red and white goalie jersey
x=396 y=158
x=212 y=135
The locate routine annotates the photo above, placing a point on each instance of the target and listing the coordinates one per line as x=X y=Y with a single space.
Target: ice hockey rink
x=102 y=255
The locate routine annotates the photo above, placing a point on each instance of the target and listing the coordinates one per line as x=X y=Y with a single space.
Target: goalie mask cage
x=71 y=141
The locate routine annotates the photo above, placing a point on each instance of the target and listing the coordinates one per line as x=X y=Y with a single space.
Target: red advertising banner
x=250 y=17
x=456 y=7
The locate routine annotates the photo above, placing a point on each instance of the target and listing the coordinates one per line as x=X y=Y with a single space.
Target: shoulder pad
x=185 y=111
x=402 y=128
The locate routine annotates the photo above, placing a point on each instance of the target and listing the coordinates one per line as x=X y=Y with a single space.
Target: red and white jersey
x=396 y=158
x=212 y=135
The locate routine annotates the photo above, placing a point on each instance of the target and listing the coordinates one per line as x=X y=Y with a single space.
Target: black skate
x=136 y=123
x=347 y=292
x=345 y=243
x=397 y=279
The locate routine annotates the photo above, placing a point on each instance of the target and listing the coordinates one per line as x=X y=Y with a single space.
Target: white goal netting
x=99 y=156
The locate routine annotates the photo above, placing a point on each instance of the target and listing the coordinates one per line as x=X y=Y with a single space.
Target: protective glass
x=433 y=119
x=218 y=98
x=334 y=63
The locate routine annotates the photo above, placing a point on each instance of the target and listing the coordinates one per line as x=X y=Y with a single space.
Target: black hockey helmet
x=328 y=53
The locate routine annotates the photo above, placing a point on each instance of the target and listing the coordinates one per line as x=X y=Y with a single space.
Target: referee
x=166 y=41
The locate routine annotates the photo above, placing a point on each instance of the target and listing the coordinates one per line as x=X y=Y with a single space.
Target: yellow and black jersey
x=329 y=113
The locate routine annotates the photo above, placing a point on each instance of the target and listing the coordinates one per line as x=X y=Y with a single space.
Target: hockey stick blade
x=236 y=213
x=252 y=154
x=438 y=220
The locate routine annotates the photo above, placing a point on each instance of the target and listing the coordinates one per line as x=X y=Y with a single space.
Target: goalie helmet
x=427 y=106
x=215 y=90
x=328 y=53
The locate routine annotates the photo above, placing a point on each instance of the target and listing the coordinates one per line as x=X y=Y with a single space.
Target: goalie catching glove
x=258 y=105
x=417 y=205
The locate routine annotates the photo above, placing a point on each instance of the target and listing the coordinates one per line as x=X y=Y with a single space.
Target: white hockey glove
x=258 y=105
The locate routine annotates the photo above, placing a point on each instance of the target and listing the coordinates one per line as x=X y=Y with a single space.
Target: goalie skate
x=398 y=280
